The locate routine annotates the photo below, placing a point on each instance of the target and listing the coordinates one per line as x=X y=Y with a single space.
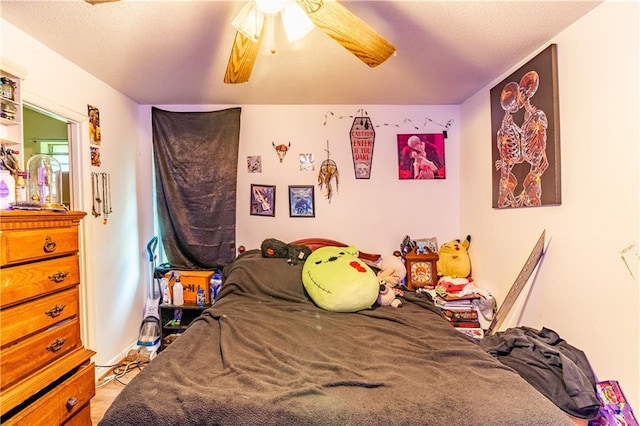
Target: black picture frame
x=263 y=200
x=302 y=201
x=525 y=127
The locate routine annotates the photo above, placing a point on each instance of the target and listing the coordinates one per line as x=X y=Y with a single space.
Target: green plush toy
x=337 y=280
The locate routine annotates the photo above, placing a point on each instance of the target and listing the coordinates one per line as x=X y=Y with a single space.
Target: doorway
x=54 y=129
x=47 y=133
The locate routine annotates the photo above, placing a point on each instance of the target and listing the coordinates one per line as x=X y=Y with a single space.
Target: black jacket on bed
x=556 y=369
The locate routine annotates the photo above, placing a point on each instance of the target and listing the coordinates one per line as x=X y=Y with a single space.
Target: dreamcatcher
x=328 y=171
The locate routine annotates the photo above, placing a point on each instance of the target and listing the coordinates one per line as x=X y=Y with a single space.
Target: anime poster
x=254 y=164
x=95 y=156
x=301 y=201
x=94 y=125
x=421 y=156
x=263 y=200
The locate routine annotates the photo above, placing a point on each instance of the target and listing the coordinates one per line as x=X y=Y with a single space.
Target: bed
x=265 y=354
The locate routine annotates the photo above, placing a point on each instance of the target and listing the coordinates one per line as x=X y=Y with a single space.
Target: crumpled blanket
x=556 y=369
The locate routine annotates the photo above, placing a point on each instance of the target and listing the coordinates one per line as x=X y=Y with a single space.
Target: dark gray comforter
x=264 y=354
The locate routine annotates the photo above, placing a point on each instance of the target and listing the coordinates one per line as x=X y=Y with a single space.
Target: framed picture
x=263 y=200
x=525 y=135
x=302 y=201
x=421 y=156
x=94 y=125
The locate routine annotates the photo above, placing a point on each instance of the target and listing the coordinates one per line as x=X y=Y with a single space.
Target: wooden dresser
x=46 y=376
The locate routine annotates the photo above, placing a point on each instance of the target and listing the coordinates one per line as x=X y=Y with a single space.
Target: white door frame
x=79 y=174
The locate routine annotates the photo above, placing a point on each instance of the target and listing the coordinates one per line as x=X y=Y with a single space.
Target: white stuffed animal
x=387 y=294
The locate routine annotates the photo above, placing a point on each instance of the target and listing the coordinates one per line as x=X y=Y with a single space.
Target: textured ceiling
x=175 y=52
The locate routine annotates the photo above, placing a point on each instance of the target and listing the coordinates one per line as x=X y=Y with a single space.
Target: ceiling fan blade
x=348 y=30
x=242 y=58
x=94 y=2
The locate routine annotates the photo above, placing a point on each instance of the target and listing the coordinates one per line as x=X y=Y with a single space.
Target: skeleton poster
x=526 y=135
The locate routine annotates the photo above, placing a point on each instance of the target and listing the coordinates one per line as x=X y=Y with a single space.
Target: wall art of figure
x=95 y=156
x=526 y=142
x=263 y=200
x=301 y=201
x=94 y=125
x=421 y=156
x=254 y=164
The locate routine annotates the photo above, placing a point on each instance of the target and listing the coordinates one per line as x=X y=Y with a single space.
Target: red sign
x=362 y=138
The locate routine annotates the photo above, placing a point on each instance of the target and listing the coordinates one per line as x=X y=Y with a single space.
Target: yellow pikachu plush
x=453 y=259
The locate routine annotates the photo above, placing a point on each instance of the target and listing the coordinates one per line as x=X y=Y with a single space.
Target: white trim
x=13 y=68
x=101 y=370
x=76 y=122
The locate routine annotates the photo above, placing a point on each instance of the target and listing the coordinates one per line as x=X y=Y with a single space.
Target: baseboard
x=105 y=369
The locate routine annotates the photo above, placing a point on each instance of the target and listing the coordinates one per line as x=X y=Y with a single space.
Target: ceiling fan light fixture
x=249 y=21
x=270 y=6
x=295 y=20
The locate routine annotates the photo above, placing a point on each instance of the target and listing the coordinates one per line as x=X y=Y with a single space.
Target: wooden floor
x=106 y=391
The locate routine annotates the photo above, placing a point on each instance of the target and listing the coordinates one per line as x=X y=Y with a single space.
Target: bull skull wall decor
x=281 y=150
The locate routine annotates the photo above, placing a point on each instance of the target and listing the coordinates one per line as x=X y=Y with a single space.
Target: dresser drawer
x=33 y=244
x=69 y=400
x=27 y=318
x=27 y=356
x=18 y=283
x=82 y=417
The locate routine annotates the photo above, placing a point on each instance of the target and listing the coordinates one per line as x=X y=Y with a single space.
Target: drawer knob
x=58 y=277
x=71 y=402
x=49 y=245
x=55 y=311
x=55 y=346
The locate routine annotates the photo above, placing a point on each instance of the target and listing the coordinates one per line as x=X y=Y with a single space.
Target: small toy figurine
x=387 y=295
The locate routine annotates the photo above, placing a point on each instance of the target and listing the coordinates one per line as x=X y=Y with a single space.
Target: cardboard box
x=615 y=409
x=190 y=281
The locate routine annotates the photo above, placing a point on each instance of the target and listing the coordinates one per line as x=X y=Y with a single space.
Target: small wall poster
x=254 y=164
x=94 y=125
x=95 y=156
x=263 y=200
x=362 y=138
x=421 y=156
x=301 y=201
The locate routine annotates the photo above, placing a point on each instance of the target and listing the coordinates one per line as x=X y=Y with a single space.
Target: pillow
x=337 y=280
x=250 y=274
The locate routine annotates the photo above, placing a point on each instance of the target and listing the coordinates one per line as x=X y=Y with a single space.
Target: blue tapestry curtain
x=196 y=159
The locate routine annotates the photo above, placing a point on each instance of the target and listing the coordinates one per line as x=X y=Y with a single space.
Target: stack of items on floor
x=468 y=308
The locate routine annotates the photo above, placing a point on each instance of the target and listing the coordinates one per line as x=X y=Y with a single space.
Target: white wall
x=113 y=288
x=373 y=214
x=583 y=290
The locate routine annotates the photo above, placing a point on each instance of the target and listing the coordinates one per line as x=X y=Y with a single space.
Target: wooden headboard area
x=316 y=243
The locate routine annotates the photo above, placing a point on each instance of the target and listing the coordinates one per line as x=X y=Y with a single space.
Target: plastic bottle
x=21 y=187
x=166 y=294
x=7 y=189
x=200 y=297
x=214 y=286
x=178 y=293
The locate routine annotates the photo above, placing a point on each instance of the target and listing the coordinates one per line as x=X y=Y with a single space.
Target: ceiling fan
x=328 y=15
x=299 y=16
